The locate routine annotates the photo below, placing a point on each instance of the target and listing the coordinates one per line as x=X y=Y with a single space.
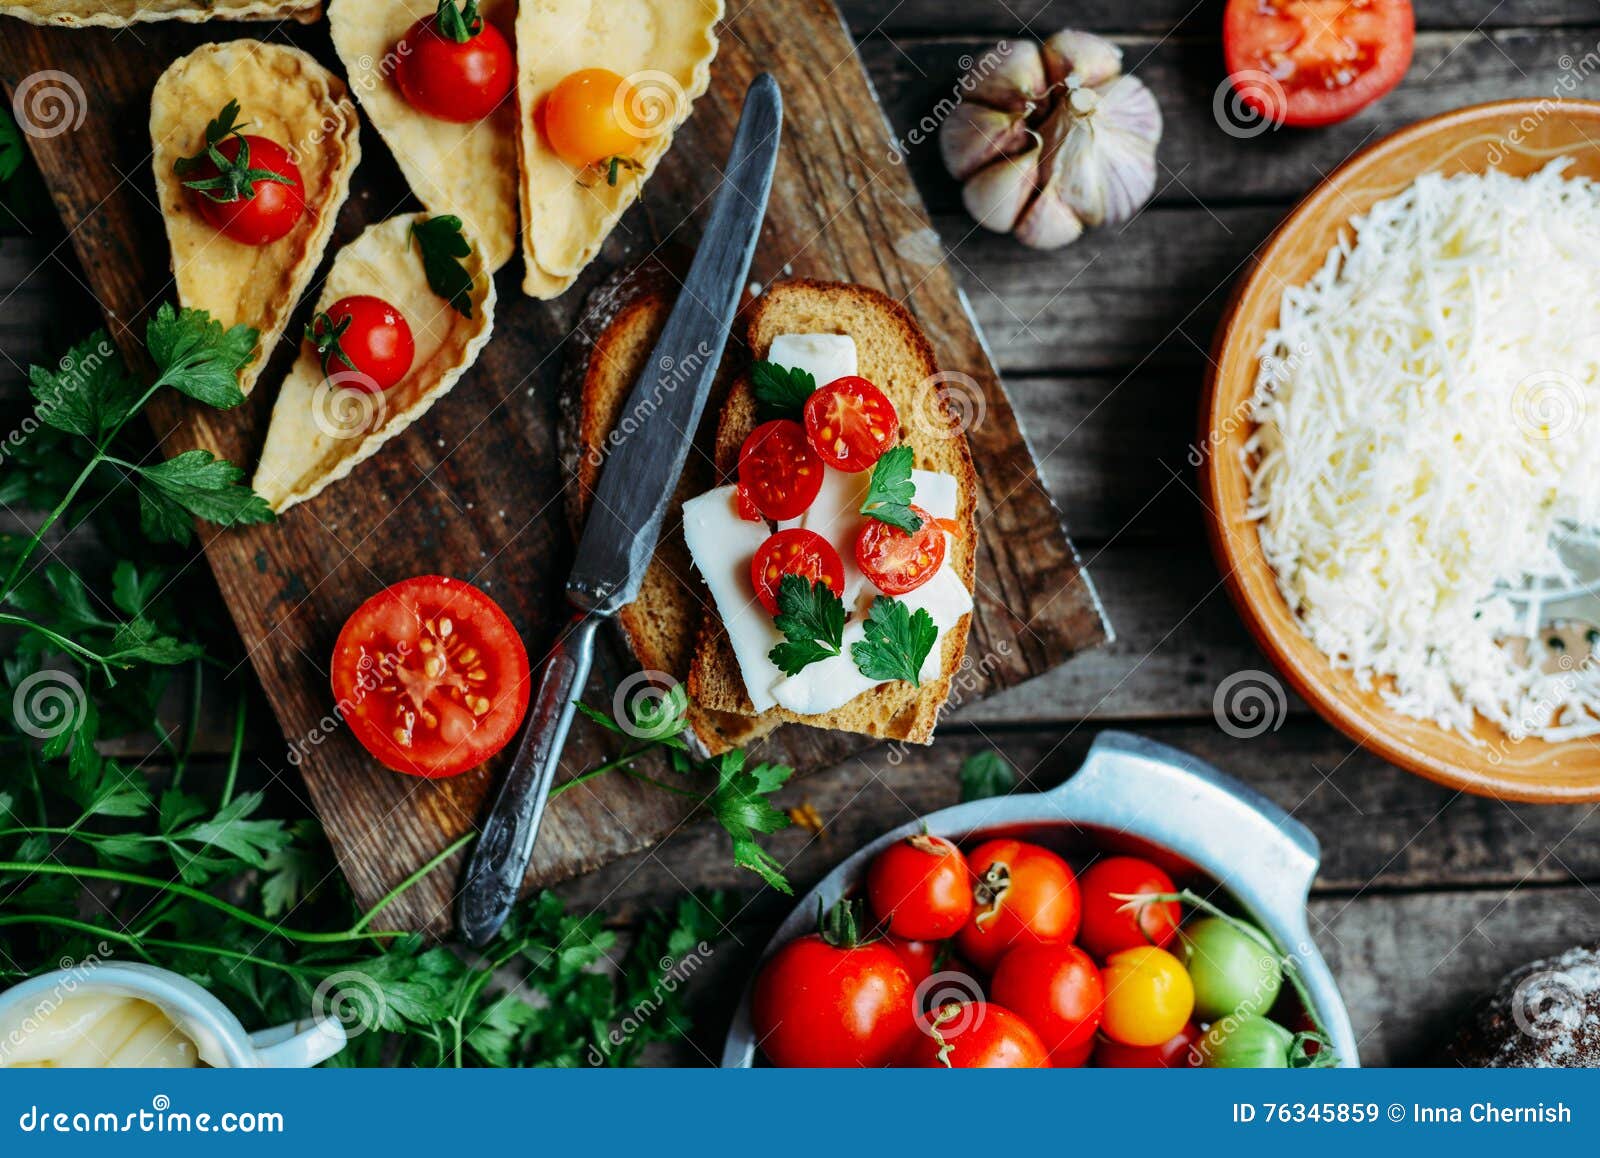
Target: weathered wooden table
x=1425 y=896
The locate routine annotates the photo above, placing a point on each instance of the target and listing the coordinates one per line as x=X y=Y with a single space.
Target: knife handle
x=500 y=860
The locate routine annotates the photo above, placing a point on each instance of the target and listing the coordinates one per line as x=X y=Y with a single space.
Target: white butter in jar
x=94 y=1031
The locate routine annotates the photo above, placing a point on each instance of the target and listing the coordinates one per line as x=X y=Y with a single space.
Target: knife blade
x=636 y=486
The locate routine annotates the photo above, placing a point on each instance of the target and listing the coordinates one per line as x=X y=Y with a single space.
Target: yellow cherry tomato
x=1149 y=996
x=594 y=115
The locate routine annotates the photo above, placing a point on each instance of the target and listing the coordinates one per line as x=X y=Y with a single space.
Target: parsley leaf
x=88 y=393
x=811 y=618
x=985 y=774
x=890 y=490
x=199 y=483
x=197 y=357
x=740 y=805
x=897 y=642
x=780 y=391
x=443 y=246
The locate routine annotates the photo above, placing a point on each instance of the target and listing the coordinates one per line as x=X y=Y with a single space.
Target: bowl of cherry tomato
x=1150 y=912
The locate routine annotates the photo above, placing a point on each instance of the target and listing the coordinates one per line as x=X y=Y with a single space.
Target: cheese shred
x=1428 y=431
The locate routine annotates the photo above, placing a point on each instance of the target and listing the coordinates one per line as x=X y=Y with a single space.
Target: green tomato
x=1245 y=1042
x=1233 y=971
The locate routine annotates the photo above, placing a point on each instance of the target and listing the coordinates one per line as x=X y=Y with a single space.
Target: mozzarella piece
x=825 y=357
x=723 y=546
x=833 y=682
x=937 y=493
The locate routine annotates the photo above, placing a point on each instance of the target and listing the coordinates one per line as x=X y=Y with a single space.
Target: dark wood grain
x=474 y=490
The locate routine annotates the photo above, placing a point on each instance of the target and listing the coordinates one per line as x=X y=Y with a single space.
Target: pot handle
x=298 y=1045
x=1266 y=858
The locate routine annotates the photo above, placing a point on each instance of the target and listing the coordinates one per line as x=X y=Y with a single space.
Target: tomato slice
x=850 y=423
x=795 y=552
x=431 y=676
x=1331 y=58
x=779 y=470
x=896 y=562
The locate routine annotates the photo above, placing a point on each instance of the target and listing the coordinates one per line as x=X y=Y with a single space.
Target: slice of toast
x=625 y=316
x=892 y=353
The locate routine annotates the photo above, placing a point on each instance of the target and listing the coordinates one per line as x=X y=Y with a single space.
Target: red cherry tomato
x=795 y=552
x=896 y=562
x=850 y=423
x=1024 y=895
x=975 y=1035
x=919 y=957
x=922 y=887
x=272 y=209
x=826 y=999
x=1177 y=1052
x=1312 y=62
x=431 y=676
x=1107 y=926
x=364 y=343
x=1056 y=989
x=461 y=81
x=779 y=470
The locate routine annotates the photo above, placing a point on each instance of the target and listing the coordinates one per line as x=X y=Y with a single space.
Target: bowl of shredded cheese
x=1402 y=445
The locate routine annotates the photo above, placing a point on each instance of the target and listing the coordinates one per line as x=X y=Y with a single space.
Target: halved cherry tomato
x=973 y=1035
x=270 y=210
x=1023 y=894
x=364 y=343
x=795 y=552
x=896 y=562
x=779 y=470
x=1328 y=59
x=1107 y=925
x=431 y=676
x=594 y=115
x=830 y=999
x=850 y=423
x=1056 y=989
x=460 y=80
x=922 y=887
x=1177 y=1052
x=1148 y=996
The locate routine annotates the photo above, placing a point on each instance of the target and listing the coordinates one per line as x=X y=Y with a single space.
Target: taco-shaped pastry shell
x=121 y=13
x=321 y=430
x=466 y=170
x=665 y=47
x=283 y=94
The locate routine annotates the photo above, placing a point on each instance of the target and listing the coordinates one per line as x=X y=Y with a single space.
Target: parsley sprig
x=898 y=641
x=235 y=179
x=443 y=247
x=781 y=391
x=811 y=618
x=890 y=490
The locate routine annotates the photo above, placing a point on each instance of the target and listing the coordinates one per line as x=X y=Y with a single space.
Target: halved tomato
x=778 y=470
x=897 y=562
x=850 y=423
x=431 y=676
x=795 y=552
x=1330 y=58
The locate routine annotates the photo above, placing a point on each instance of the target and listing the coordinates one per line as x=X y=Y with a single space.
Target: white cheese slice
x=831 y=683
x=826 y=357
x=722 y=546
x=937 y=493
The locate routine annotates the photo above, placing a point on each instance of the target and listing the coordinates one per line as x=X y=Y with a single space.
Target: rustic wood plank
x=440 y=497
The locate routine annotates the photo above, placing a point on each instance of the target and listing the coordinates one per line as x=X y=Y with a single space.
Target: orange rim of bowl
x=1278 y=640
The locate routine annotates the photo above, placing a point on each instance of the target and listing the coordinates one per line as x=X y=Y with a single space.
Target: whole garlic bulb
x=1053 y=139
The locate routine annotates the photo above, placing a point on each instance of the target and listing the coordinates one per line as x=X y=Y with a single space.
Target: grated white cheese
x=1429 y=419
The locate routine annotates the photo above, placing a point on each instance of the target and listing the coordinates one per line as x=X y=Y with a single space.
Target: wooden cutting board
x=474 y=490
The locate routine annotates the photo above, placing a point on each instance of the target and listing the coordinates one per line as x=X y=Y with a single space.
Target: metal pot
x=1136 y=796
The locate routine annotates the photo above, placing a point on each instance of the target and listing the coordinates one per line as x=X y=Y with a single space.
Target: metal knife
x=636 y=487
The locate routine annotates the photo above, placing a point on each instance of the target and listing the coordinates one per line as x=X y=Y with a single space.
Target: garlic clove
x=1080 y=58
x=974 y=134
x=1011 y=75
x=997 y=194
x=1127 y=105
x=1049 y=223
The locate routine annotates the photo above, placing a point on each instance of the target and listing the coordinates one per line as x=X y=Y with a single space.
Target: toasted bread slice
x=626 y=317
x=893 y=353
x=121 y=13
